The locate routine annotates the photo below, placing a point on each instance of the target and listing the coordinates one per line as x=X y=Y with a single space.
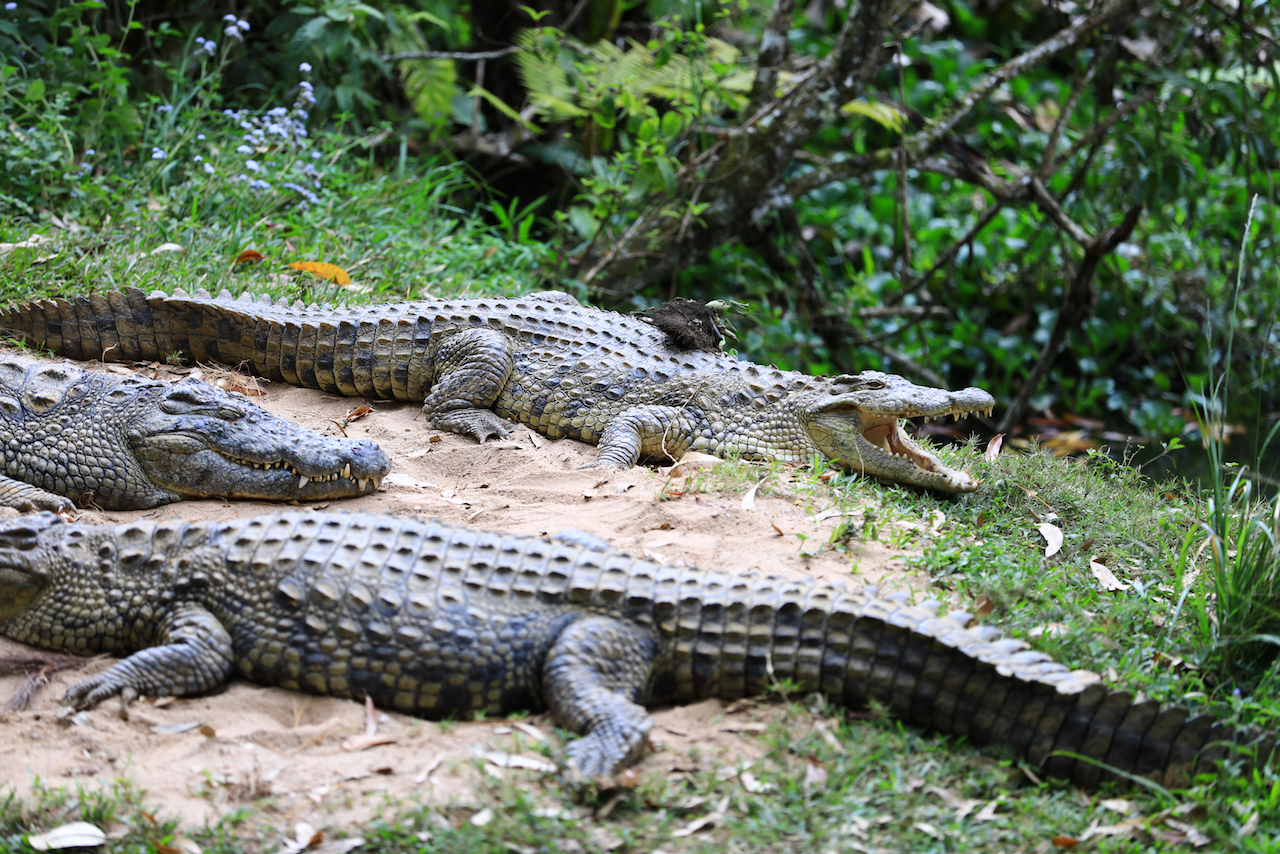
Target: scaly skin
x=132 y=443
x=564 y=369
x=437 y=620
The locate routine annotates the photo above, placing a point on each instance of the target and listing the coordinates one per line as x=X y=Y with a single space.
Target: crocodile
x=438 y=620
x=128 y=442
x=560 y=367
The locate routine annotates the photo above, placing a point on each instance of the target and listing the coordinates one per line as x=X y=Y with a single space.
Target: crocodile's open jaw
x=859 y=426
x=884 y=446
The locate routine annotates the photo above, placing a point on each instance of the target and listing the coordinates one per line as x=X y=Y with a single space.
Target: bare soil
x=200 y=758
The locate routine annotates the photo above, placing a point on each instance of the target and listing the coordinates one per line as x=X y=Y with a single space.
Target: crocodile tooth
x=346 y=470
x=360 y=483
x=303 y=480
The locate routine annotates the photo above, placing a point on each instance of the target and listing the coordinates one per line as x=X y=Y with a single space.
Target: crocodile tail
x=108 y=326
x=935 y=672
x=969 y=681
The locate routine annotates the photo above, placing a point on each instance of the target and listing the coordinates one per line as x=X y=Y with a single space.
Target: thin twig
x=1068 y=109
x=952 y=251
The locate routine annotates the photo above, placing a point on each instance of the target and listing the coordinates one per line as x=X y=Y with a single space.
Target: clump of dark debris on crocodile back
x=689 y=324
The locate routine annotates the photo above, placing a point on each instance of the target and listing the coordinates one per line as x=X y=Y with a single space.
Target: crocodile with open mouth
x=560 y=367
x=128 y=442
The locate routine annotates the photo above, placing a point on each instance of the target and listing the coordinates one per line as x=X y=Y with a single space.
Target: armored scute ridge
x=564 y=369
x=131 y=443
x=438 y=620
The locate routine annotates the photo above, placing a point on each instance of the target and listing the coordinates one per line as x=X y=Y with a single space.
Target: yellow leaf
x=329 y=272
x=247 y=255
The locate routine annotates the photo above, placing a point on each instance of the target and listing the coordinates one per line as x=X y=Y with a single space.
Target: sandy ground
x=200 y=758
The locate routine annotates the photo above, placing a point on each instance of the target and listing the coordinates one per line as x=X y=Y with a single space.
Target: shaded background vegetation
x=639 y=150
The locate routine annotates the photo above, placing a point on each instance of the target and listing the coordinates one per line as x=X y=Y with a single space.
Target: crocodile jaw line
x=884 y=444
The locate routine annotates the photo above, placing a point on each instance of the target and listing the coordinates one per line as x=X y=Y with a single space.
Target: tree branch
x=451 y=54
x=1072 y=35
x=773 y=52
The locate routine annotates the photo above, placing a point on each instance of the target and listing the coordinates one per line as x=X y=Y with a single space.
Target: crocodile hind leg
x=472 y=366
x=192 y=655
x=648 y=431
x=25 y=498
x=595 y=670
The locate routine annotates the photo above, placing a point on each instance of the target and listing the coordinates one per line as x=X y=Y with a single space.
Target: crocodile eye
x=230 y=413
x=875 y=384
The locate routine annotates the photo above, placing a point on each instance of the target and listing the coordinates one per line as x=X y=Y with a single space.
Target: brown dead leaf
x=1053 y=536
x=357 y=413
x=248 y=256
x=1064 y=842
x=993 y=446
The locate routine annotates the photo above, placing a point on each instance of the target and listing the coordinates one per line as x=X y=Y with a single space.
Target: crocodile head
x=197 y=441
x=857 y=425
x=23 y=570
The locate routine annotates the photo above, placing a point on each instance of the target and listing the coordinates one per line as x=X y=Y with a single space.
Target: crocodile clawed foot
x=88 y=693
x=479 y=424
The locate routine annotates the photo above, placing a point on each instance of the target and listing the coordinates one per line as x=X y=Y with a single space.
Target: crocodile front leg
x=472 y=366
x=27 y=498
x=650 y=431
x=594 y=672
x=193 y=656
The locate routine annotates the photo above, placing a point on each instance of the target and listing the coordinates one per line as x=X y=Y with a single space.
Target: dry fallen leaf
x=690 y=462
x=168 y=247
x=993 y=446
x=1053 y=536
x=32 y=242
x=516 y=760
x=77 y=834
x=815 y=773
x=1106 y=577
x=749 y=500
x=248 y=255
x=328 y=272
x=1064 y=842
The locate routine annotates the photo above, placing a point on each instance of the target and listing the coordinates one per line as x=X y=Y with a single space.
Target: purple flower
x=157 y=154
x=304 y=67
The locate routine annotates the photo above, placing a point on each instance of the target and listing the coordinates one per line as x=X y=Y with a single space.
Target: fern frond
x=885 y=115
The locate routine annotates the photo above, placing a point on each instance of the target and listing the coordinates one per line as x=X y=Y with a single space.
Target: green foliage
x=1237 y=613
x=63 y=89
